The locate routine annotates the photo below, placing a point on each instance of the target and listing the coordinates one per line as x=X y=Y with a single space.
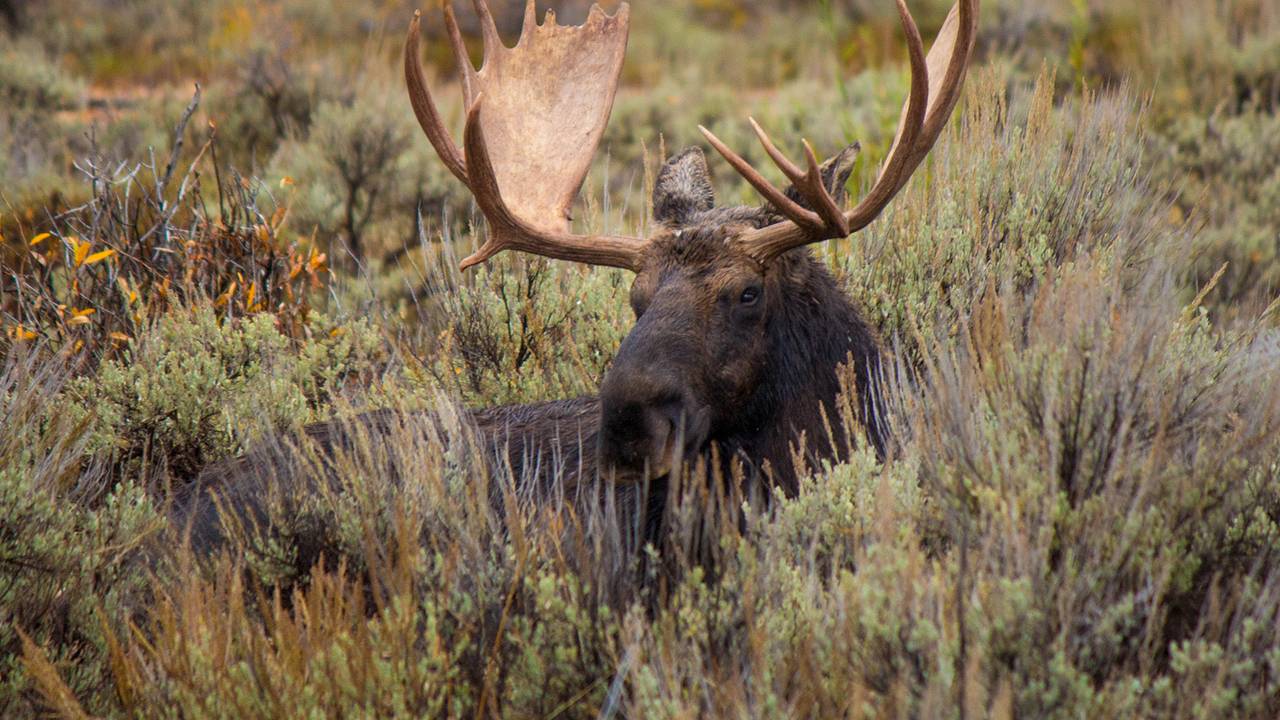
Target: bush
x=425 y=610
x=34 y=90
x=362 y=165
x=69 y=539
x=1020 y=187
x=526 y=331
x=192 y=389
x=1074 y=436
x=271 y=100
x=31 y=82
x=145 y=244
x=1227 y=182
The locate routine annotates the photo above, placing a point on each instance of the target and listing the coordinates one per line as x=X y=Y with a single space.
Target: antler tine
x=925 y=114
x=820 y=195
x=785 y=205
x=508 y=232
x=425 y=108
x=807 y=182
x=488 y=28
x=466 y=71
x=895 y=172
x=959 y=30
x=784 y=164
x=530 y=18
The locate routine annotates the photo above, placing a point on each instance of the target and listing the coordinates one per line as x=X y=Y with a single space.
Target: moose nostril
x=675 y=425
x=669 y=410
x=652 y=432
x=660 y=430
x=697 y=424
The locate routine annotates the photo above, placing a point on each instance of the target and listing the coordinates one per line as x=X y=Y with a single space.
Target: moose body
x=765 y=378
x=743 y=341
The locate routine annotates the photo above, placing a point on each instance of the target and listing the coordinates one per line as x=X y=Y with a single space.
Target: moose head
x=739 y=331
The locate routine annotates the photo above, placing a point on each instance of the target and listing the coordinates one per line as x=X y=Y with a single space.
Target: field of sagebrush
x=219 y=221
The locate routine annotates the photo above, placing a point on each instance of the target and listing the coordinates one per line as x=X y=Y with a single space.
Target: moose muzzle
x=648 y=425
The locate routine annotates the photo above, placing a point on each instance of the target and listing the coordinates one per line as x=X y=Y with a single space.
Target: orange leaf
x=81 y=251
x=98 y=257
x=38 y=239
x=226 y=295
x=118 y=336
x=85 y=312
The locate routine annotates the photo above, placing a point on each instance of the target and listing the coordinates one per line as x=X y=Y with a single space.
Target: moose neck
x=816 y=329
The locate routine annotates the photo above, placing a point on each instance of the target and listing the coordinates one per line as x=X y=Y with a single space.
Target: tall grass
x=1081 y=516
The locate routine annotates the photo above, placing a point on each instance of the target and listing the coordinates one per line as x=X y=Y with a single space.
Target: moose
x=743 y=340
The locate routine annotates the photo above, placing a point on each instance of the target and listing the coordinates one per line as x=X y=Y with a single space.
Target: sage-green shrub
x=1227 y=181
x=1080 y=516
x=69 y=542
x=194 y=389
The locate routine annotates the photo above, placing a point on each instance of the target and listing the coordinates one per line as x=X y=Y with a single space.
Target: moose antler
x=926 y=112
x=535 y=114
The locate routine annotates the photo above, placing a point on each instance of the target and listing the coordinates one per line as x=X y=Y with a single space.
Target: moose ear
x=835 y=175
x=683 y=189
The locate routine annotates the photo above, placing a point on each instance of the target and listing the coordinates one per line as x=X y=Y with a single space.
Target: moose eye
x=750 y=296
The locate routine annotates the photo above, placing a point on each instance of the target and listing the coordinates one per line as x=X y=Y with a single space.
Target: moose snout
x=649 y=429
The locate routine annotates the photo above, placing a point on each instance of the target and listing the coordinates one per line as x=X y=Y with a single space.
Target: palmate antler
x=546 y=102
x=926 y=112
x=535 y=114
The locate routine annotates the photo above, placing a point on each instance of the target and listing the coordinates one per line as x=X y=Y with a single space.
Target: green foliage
x=193 y=389
x=1214 y=55
x=530 y=331
x=69 y=540
x=31 y=81
x=1020 y=187
x=33 y=89
x=361 y=170
x=1066 y=435
x=271 y=100
x=1081 y=517
x=1228 y=181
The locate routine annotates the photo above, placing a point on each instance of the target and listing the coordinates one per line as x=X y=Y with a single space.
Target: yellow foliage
x=99 y=257
x=79 y=249
x=226 y=294
x=22 y=334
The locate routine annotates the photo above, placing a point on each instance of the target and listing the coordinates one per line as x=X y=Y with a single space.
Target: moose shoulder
x=740 y=335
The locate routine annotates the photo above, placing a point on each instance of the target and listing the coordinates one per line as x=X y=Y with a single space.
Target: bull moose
x=740 y=335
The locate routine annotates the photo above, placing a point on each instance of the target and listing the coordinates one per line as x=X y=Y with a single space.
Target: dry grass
x=1082 y=517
